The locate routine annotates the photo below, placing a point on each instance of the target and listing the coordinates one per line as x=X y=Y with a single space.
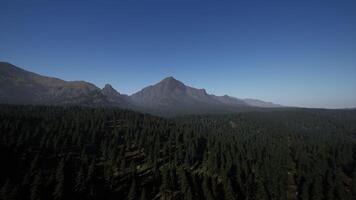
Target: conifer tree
x=59 y=181
x=36 y=187
x=133 y=191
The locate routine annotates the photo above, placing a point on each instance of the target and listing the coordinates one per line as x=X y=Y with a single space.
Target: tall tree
x=60 y=181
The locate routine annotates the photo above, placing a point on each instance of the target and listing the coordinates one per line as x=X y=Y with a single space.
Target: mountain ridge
x=18 y=86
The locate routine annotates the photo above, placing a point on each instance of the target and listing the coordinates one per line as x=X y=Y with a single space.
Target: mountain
x=168 y=97
x=231 y=100
x=171 y=91
x=18 y=86
x=172 y=96
x=115 y=98
x=261 y=104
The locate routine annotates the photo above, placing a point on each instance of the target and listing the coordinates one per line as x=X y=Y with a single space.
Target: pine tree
x=339 y=185
x=132 y=193
x=260 y=190
x=143 y=194
x=353 y=183
x=34 y=164
x=5 y=189
x=60 y=181
x=165 y=180
x=305 y=191
x=228 y=191
x=206 y=189
x=80 y=181
x=36 y=187
x=90 y=173
x=184 y=184
x=316 y=190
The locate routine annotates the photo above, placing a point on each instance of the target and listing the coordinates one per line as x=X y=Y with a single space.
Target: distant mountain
x=115 y=98
x=231 y=100
x=246 y=102
x=18 y=86
x=171 y=95
x=168 y=97
x=171 y=91
x=261 y=104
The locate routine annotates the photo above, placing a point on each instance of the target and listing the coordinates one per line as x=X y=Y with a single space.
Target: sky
x=295 y=53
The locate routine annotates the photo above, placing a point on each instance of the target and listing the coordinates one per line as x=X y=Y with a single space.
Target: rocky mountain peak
x=171 y=83
x=109 y=90
x=108 y=86
x=18 y=86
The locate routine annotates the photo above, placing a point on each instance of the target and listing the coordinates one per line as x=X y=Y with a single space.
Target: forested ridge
x=107 y=153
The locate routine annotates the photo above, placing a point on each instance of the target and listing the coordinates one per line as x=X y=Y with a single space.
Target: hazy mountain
x=18 y=86
x=115 y=97
x=168 y=97
x=171 y=92
x=230 y=100
x=173 y=96
x=261 y=104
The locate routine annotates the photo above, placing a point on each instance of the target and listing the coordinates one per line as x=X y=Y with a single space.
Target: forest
x=51 y=152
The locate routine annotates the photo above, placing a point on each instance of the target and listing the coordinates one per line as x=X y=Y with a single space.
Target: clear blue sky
x=299 y=53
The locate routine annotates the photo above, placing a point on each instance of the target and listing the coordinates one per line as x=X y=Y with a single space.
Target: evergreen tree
x=60 y=181
x=353 y=183
x=36 y=187
x=228 y=191
x=133 y=191
x=206 y=188
x=143 y=194
x=5 y=189
x=80 y=181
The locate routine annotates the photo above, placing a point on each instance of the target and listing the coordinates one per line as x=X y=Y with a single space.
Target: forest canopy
x=58 y=153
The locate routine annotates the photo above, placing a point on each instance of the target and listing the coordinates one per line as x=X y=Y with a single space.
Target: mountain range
x=168 y=97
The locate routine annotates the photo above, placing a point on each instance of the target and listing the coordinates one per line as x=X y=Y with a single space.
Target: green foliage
x=59 y=181
x=36 y=187
x=105 y=153
x=133 y=191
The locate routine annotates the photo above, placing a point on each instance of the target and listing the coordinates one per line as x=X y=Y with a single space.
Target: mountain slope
x=168 y=97
x=170 y=91
x=18 y=86
x=261 y=104
x=230 y=100
x=172 y=96
x=115 y=97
